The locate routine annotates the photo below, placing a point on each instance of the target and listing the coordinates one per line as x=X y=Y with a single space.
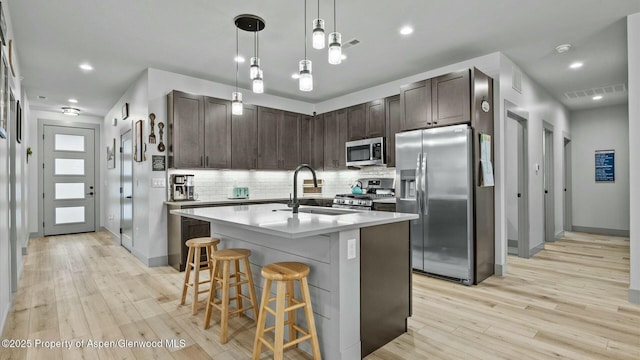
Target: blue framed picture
x=605 y=166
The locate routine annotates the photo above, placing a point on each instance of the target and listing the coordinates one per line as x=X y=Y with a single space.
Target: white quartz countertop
x=267 y=218
x=235 y=201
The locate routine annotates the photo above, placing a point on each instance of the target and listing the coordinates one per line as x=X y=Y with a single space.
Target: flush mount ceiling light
x=67 y=110
x=563 y=48
x=335 y=42
x=576 y=65
x=597 y=97
x=254 y=24
x=85 y=67
x=406 y=30
x=238 y=59
x=73 y=101
x=318 y=31
x=305 y=82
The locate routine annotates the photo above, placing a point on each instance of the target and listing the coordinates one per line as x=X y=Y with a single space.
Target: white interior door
x=549 y=191
x=69 y=180
x=126 y=191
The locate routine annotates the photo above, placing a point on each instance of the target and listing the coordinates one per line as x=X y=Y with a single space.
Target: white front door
x=69 y=180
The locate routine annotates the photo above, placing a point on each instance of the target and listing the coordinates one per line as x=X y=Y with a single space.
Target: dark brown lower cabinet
x=179 y=230
x=385 y=284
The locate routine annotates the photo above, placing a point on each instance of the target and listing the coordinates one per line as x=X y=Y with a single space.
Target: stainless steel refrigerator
x=434 y=175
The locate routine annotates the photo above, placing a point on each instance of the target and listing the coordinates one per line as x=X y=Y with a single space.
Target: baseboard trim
x=559 y=235
x=634 y=296
x=34 y=235
x=158 y=261
x=5 y=314
x=24 y=250
x=512 y=243
x=499 y=269
x=601 y=231
x=114 y=237
x=536 y=250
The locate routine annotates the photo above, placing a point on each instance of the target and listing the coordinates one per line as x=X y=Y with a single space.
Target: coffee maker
x=182 y=187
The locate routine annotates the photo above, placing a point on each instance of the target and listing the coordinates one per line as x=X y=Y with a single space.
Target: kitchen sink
x=321 y=211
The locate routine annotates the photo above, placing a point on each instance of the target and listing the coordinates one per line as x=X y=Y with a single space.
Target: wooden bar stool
x=284 y=273
x=221 y=281
x=195 y=263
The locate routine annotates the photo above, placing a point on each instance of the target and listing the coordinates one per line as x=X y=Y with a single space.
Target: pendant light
x=257 y=83
x=306 y=78
x=236 y=96
x=318 y=31
x=335 y=42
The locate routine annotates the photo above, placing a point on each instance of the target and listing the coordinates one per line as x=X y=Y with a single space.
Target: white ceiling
x=121 y=38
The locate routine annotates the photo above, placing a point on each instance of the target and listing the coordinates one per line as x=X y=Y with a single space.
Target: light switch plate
x=158 y=182
x=351 y=249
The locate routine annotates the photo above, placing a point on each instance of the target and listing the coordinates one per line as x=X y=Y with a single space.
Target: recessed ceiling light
x=343 y=56
x=295 y=76
x=238 y=59
x=563 y=48
x=576 y=65
x=597 y=97
x=42 y=97
x=73 y=101
x=67 y=110
x=85 y=67
x=406 y=30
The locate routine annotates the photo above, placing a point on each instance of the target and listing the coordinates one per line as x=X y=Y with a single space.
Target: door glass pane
x=69 y=167
x=64 y=142
x=67 y=215
x=69 y=191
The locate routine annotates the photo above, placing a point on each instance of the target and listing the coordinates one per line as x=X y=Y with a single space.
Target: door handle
x=128 y=197
x=91 y=193
x=418 y=182
x=425 y=185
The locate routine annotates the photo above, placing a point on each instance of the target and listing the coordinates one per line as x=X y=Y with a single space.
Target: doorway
x=517 y=183
x=126 y=190
x=548 y=183
x=13 y=225
x=568 y=217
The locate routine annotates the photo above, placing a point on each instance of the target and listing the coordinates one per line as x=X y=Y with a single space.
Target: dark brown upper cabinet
x=278 y=139
x=288 y=140
x=312 y=141
x=357 y=122
x=335 y=137
x=199 y=131
x=268 y=120
x=394 y=126
x=244 y=139
x=375 y=116
x=451 y=98
x=217 y=133
x=415 y=105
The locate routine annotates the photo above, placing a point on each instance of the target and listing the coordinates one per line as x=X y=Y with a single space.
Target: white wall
x=633 y=39
x=137 y=98
x=21 y=173
x=541 y=107
x=600 y=205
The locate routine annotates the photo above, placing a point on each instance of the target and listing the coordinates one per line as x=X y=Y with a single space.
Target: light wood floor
x=569 y=301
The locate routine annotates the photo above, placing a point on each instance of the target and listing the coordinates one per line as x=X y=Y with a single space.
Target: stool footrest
x=305 y=336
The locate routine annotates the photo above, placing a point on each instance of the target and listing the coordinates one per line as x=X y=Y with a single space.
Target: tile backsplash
x=211 y=185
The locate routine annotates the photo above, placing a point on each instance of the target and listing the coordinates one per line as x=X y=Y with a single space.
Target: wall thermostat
x=485 y=106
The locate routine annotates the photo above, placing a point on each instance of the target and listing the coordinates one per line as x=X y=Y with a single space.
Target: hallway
x=568 y=301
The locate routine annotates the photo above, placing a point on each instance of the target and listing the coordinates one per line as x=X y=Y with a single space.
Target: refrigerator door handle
x=418 y=174
x=425 y=187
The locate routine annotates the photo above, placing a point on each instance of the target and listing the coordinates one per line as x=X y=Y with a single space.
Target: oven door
x=352 y=207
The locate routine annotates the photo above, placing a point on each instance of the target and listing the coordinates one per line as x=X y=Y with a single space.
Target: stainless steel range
x=372 y=189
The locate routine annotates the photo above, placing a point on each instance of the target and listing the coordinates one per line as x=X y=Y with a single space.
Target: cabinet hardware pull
x=201 y=161
x=207 y=161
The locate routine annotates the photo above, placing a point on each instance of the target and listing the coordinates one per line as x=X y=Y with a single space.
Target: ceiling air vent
x=350 y=43
x=612 y=89
x=516 y=80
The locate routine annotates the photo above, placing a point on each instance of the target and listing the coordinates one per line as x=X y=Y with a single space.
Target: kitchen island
x=360 y=279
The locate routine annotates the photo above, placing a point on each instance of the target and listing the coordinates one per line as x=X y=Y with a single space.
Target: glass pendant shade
x=305 y=81
x=258 y=84
x=254 y=68
x=335 y=48
x=318 y=34
x=236 y=103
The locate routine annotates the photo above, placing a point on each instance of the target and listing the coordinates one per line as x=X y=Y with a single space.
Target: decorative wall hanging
x=125 y=111
x=3 y=27
x=152 y=136
x=161 y=145
x=111 y=155
x=13 y=72
x=158 y=163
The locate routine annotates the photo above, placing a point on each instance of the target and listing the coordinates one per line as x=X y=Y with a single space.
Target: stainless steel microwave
x=365 y=152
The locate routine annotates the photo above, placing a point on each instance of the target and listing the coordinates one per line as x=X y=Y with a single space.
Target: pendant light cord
x=305 y=29
x=318 y=9
x=236 y=57
x=334 y=16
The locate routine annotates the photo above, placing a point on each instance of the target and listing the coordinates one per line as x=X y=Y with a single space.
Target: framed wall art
x=125 y=111
x=111 y=155
x=4 y=96
x=140 y=147
x=18 y=122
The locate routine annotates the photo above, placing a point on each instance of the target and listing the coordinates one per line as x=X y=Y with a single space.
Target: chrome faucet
x=295 y=203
